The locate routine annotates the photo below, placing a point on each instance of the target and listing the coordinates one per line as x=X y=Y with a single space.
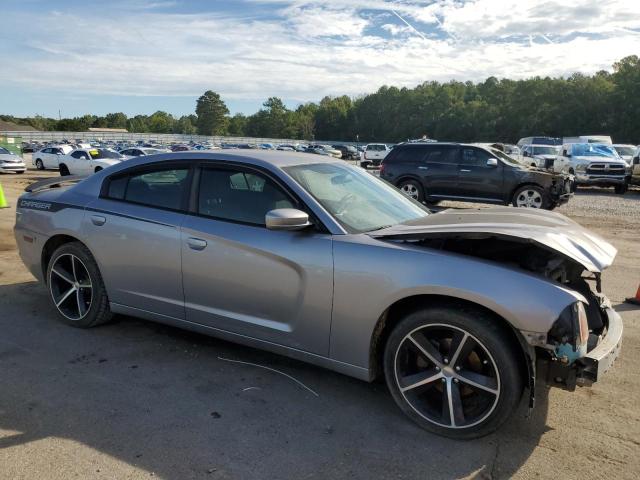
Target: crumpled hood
x=548 y=229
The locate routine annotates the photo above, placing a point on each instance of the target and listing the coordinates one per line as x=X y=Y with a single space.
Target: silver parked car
x=310 y=257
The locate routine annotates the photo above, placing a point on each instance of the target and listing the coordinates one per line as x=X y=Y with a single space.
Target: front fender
x=371 y=275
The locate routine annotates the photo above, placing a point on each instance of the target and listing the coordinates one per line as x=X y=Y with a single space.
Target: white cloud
x=310 y=49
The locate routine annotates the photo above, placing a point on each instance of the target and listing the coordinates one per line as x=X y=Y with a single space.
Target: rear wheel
x=452 y=371
x=39 y=164
x=413 y=189
x=76 y=287
x=530 y=196
x=64 y=171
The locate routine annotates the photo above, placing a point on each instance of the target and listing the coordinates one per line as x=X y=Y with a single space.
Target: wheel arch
x=399 y=309
x=525 y=184
x=51 y=245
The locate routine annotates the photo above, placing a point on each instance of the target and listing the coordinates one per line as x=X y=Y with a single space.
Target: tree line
x=493 y=110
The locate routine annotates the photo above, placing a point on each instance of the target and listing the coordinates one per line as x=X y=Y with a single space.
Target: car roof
x=277 y=158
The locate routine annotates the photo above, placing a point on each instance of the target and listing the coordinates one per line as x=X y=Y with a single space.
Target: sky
x=138 y=56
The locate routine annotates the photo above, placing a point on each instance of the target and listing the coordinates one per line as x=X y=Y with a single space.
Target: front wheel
x=64 y=170
x=39 y=164
x=454 y=372
x=621 y=189
x=530 y=196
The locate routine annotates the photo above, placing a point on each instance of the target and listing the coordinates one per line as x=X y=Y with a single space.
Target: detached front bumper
x=587 y=370
x=599 y=360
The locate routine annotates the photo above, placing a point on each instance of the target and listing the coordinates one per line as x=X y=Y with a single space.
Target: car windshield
x=545 y=150
x=593 y=150
x=98 y=153
x=625 y=150
x=503 y=156
x=4 y=151
x=359 y=201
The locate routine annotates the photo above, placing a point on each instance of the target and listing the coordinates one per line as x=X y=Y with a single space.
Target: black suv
x=450 y=171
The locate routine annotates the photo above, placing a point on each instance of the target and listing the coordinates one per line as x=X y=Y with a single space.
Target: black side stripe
x=53 y=207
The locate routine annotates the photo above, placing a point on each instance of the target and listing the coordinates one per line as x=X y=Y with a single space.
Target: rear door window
x=164 y=188
x=407 y=155
x=442 y=154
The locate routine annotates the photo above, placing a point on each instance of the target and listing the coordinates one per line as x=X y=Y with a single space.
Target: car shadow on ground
x=162 y=399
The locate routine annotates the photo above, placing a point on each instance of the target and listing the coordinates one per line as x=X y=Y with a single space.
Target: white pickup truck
x=596 y=164
x=373 y=154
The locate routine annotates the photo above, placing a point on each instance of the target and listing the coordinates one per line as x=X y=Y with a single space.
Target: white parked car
x=48 y=157
x=373 y=154
x=541 y=156
x=85 y=161
x=141 y=151
x=10 y=162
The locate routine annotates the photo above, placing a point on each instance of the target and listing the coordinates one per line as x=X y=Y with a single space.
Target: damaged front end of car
x=585 y=338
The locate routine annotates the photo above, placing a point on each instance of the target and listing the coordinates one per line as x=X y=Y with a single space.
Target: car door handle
x=423 y=168
x=196 y=243
x=464 y=170
x=98 y=220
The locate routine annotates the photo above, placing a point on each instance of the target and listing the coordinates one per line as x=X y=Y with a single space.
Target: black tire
x=487 y=339
x=97 y=311
x=39 y=164
x=365 y=164
x=64 y=171
x=531 y=196
x=20 y=173
x=621 y=189
x=412 y=188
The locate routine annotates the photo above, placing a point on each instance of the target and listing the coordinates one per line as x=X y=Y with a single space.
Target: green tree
x=212 y=114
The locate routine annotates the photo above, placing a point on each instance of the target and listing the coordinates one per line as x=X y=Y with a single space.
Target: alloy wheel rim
x=447 y=376
x=410 y=190
x=70 y=287
x=529 y=199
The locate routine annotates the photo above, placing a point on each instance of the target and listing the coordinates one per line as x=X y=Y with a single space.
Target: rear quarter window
x=406 y=156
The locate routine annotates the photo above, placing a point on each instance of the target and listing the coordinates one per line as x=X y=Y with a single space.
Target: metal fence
x=31 y=136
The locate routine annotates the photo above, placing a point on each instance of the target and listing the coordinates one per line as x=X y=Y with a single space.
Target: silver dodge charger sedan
x=461 y=311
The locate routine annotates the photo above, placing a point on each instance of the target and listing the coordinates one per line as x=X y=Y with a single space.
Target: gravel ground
x=135 y=399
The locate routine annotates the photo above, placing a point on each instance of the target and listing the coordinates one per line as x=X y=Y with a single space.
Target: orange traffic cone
x=3 y=201
x=635 y=300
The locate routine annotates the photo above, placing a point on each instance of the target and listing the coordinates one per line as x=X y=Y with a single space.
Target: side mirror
x=286 y=219
x=492 y=162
